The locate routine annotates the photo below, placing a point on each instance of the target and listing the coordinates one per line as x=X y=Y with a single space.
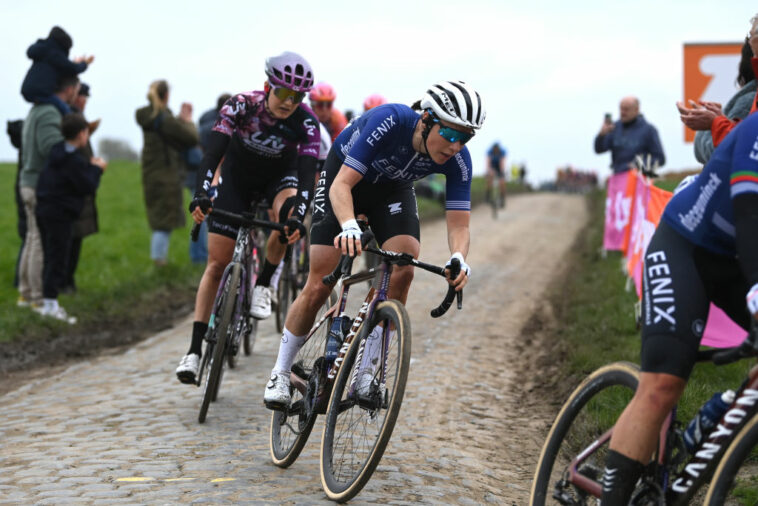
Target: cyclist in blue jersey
x=267 y=143
x=370 y=170
x=496 y=169
x=704 y=250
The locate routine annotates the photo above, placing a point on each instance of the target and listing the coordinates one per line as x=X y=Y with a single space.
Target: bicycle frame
x=680 y=490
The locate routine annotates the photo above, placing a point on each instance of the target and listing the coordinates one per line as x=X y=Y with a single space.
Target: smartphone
x=608 y=118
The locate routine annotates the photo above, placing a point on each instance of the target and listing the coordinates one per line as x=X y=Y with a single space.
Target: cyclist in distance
x=372 y=101
x=322 y=102
x=269 y=142
x=370 y=170
x=496 y=169
x=705 y=249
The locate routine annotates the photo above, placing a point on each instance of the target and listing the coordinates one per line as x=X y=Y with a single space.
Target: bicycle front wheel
x=590 y=411
x=290 y=429
x=222 y=326
x=735 y=481
x=359 y=424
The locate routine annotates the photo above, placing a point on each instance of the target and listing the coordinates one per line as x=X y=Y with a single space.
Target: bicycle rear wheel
x=290 y=429
x=735 y=481
x=357 y=429
x=590 y=411
x=223 y=313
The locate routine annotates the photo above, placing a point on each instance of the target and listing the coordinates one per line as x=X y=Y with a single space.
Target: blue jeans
x=198 y=250
x=159 y=245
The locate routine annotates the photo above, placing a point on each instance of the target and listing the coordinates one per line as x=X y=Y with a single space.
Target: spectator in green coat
x=166 y=138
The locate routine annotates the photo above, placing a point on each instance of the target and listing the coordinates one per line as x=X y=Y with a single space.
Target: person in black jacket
x=51 y=63
x=64 y=182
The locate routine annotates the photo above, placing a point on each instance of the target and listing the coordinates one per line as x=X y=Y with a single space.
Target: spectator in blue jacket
x=50 y=65
x=64 y=182
x=628 y=137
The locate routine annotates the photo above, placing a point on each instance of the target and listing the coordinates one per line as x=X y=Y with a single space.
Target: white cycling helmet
x=456 y=102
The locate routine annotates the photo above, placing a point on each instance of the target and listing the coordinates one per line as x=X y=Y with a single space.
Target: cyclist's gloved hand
x=349 y=240
x=465 y=273
x=201 y=200
x=293 y=225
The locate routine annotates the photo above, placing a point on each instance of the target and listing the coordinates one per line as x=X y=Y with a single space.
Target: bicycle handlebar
x=245 y=219
x=744 y=350
x=346 y=262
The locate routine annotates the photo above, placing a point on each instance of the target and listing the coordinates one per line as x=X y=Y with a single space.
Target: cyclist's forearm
x=458 y=237
x=341 y=197
x=306 y=173
x=213 y=154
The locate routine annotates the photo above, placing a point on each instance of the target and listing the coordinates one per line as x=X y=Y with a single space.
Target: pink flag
x=721 y=331
x=617 y=210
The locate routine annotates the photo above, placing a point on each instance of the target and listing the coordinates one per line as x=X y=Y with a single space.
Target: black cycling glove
x=201 y=200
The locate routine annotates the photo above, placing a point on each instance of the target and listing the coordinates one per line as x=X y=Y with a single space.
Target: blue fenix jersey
x=378 y=145
x=702 y=211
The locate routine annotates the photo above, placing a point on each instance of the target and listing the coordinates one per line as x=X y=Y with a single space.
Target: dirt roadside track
x=119 y=428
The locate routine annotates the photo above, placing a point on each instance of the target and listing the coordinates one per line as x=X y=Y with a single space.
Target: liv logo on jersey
x=395 y=208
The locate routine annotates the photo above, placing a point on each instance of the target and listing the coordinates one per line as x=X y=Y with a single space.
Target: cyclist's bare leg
x=400 y=282
x=488 y=178
x=502 y=188
x=220 y=249
x=302 y=313
x=274 y=249
x=635 y=435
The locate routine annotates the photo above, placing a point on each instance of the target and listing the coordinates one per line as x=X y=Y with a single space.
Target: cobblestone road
x=120 y=429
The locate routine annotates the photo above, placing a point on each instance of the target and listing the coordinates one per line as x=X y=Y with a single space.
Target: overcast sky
x=548 y=70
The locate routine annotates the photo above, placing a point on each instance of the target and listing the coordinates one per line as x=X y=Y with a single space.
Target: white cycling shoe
x=188 y=367
x=277 y=394
x=260 y=308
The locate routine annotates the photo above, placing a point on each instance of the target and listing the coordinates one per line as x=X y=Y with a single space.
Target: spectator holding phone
x=628 y=137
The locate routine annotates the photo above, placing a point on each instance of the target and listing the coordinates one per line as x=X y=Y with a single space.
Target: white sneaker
x=188 y=367
x=260 y=309
x=58 y=313
x=277 y=394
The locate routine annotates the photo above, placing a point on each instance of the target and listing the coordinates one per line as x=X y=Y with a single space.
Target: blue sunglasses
x=452 y=135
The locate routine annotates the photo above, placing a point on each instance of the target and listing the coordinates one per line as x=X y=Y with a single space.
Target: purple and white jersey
x=245 y=119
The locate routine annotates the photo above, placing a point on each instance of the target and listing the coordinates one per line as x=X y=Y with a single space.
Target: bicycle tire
x=286 y=443
x=342 y=479
x=227 y=305
x=622 y=378
x=740 y=462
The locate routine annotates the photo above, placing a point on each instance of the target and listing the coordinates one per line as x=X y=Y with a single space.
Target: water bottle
x=707 y=418
x=334 y=340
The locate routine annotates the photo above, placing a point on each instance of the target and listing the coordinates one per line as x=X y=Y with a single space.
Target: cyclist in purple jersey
x=370 y=170
x=267 y=143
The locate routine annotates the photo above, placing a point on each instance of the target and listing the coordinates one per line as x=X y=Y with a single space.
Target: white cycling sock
x=277 y=273
x=288 y=348
x=372 y=349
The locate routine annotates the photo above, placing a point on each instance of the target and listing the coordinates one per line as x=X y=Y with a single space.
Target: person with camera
x=269 y=143
x=370 y=170
x=629 y=136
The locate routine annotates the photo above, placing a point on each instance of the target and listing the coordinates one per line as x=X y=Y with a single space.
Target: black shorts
x=497 y=172
x=235 y=195
x=680 y=280
x=390 y=207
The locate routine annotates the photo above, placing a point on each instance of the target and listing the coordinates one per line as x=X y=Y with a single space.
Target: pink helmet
x=322 y=92
x=289 y=70
x=373 y=101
